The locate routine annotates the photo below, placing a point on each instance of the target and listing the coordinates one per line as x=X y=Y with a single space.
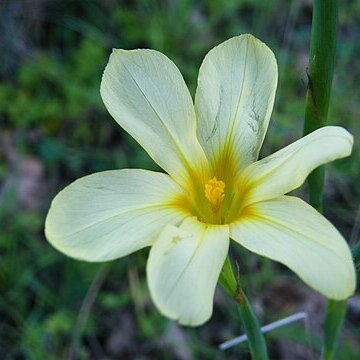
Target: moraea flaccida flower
x=215 y=188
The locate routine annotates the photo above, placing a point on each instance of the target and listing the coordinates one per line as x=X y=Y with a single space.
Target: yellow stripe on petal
x=287 y=169
x=183 y=269
x=290 y=231
x=146 y=94
x=110 y=214
x=233 y=101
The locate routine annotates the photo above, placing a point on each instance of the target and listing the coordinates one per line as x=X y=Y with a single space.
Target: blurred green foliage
x=51 y=113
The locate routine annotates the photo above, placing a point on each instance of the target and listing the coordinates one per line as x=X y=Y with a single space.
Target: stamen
x=214 y=192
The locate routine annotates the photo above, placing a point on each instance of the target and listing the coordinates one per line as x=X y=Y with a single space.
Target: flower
x=215 y=188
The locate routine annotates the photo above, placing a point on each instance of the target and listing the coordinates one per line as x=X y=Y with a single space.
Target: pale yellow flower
x=214 y=189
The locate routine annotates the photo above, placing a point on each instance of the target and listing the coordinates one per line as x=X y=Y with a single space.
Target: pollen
x=214 y=192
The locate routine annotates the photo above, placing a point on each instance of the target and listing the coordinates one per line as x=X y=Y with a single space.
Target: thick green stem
x=356 y=255
x=335 y=315
x=322 y=59
x=249 y=320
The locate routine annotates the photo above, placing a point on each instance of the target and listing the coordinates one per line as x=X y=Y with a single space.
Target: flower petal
x=145 y=93
x=183 y=268
x=111 y=214
x=288 y=168
x=290 y=231
x=234 y=99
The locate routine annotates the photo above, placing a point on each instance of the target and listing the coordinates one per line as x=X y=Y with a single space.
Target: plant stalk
x=356 y=255
x=256 y=340
x=334 y=319
x=322 y=60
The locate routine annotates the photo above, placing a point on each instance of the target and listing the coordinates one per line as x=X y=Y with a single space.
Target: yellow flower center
x=206 y=197
x=214 y=192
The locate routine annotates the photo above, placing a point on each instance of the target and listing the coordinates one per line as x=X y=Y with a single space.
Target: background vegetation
x=54 y=129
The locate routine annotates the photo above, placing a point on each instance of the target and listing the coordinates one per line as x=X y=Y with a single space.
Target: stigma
x=214 y=192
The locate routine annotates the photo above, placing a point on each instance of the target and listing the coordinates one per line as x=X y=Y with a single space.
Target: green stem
x=322 y=59
x=249 y=320
x=335 y=315
x=356 y=255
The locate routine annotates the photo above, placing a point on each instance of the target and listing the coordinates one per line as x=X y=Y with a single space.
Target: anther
x=214 y=192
